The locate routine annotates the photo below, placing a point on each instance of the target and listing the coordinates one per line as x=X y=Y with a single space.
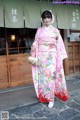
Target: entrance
x=15 y=47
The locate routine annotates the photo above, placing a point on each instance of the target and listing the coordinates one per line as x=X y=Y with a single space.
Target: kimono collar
x=50 y=27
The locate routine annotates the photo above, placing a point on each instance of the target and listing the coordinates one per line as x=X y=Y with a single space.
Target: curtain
x=74 y=17
x=1 y=15
x=32 y=14
x=68 y=16
x=14 y=13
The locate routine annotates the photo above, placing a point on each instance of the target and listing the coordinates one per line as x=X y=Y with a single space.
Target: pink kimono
x=48 y=74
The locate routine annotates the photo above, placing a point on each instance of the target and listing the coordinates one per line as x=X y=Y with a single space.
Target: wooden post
x=7 y=57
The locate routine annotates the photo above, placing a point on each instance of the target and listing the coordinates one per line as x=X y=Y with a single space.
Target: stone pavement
x=61 y=111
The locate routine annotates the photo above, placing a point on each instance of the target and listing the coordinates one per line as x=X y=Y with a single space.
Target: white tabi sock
x=51 y=104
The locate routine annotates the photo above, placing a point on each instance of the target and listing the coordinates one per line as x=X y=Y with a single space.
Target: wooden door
x=74 y=57
x=20 y=70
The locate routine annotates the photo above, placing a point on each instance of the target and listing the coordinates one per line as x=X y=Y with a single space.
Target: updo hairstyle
x=46 y=14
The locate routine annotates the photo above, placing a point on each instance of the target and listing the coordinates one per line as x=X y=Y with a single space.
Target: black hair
x=46 y=14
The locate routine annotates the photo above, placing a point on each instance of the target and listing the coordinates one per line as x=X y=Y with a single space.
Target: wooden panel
x=77 y=65
x=70 y=56
x=70 y=49
x=20 y=69
x=3 y=72
x=76 y=49
x=71 y=66
x=74 y=57
x=70 y=62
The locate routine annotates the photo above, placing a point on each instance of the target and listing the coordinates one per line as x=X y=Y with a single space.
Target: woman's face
x=47 y=21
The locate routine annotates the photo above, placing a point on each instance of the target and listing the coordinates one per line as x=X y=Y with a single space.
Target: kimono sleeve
x=35 y=44
x=61 y=47
x=36 y=37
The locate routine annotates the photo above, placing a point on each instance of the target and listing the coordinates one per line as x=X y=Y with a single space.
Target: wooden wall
x=20 y=71
x=3 y=72
x=72 y=63
x=74 y=57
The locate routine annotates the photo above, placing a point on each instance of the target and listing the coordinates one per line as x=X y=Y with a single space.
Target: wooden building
x=14 y=50
x=18 y=26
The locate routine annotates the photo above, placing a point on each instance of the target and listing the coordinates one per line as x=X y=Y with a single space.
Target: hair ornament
x=41 y=19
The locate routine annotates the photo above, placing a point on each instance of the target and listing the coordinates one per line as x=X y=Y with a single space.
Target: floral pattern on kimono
x=48 y=75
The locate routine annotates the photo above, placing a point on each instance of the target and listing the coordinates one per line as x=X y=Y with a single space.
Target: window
x=23 y=39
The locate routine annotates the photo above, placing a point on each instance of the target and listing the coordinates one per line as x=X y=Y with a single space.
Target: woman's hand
x=33 y=48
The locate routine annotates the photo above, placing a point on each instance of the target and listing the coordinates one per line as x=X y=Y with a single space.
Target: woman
x=48 y=74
